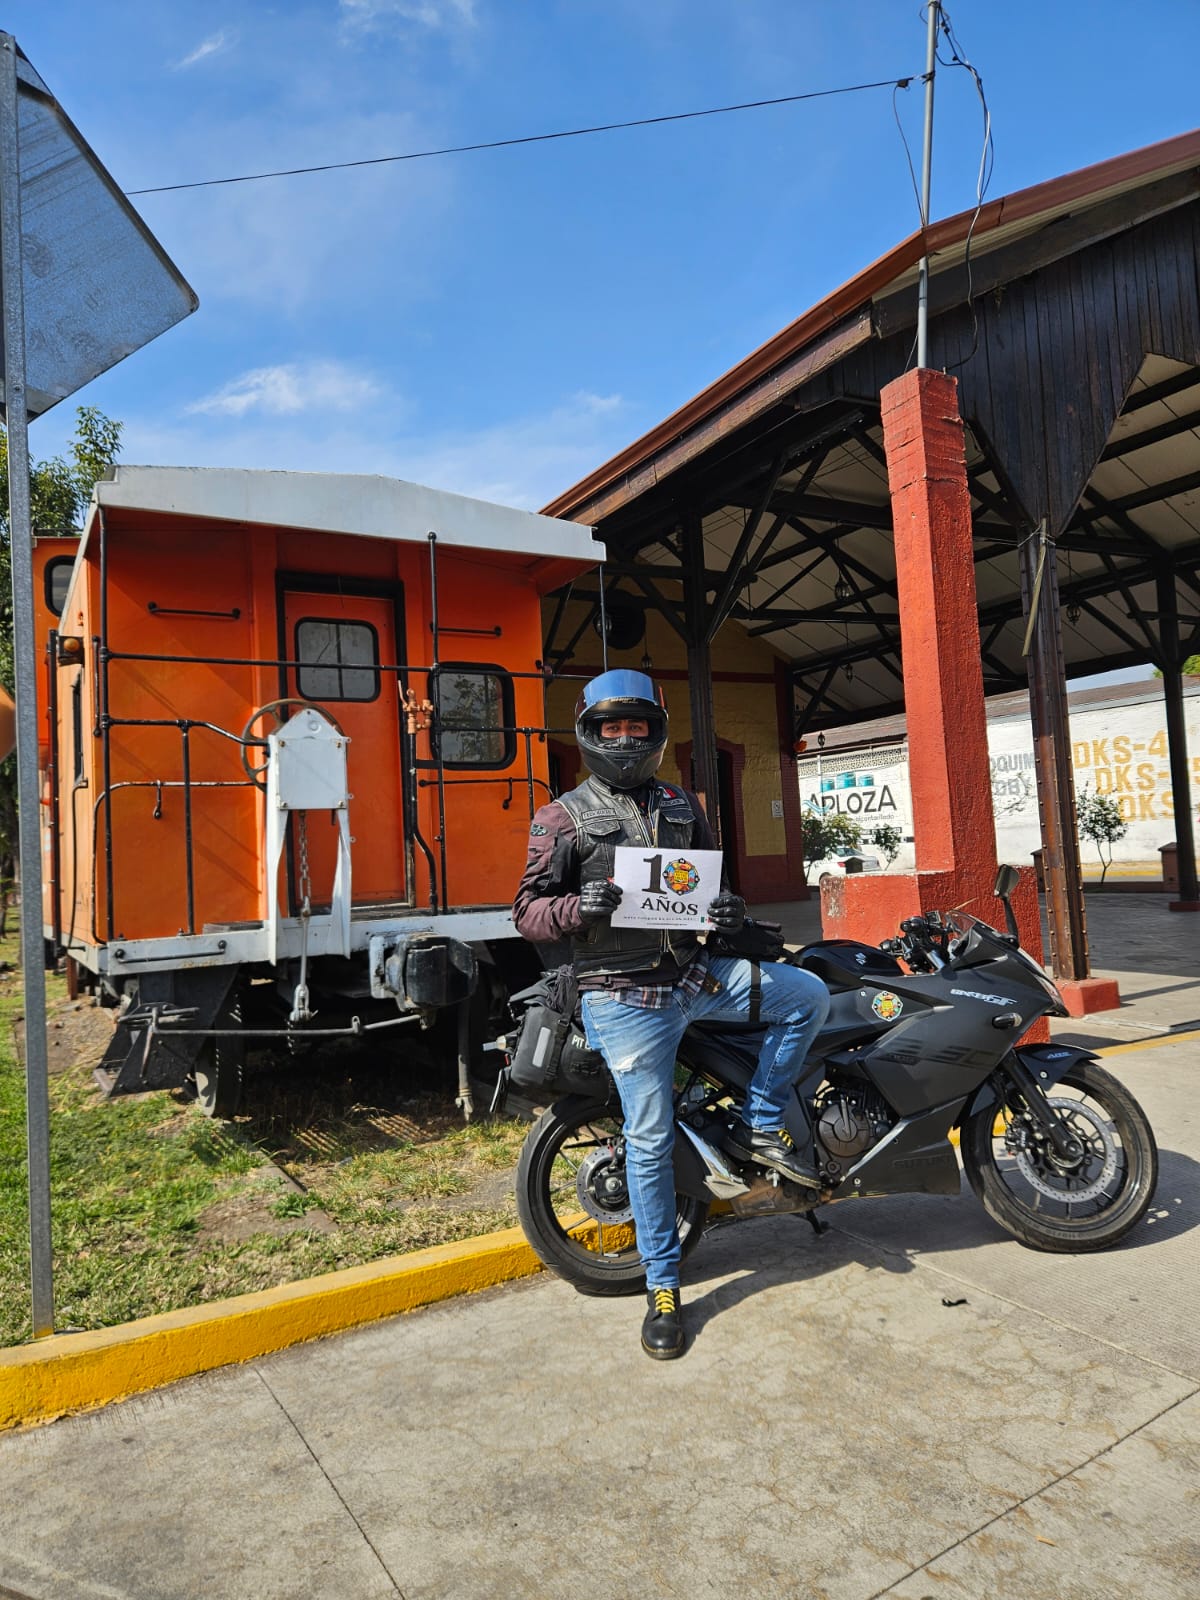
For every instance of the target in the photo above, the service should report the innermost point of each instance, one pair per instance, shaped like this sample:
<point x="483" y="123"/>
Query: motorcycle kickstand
<point x="815" y="1223"/>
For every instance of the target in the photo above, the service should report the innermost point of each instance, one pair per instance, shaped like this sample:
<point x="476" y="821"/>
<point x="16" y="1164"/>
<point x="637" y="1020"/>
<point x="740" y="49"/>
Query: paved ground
<point x="836" y="1429"/>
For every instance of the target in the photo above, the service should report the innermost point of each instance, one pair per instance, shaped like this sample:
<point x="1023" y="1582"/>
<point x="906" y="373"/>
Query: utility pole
<point x="935" y="13"/>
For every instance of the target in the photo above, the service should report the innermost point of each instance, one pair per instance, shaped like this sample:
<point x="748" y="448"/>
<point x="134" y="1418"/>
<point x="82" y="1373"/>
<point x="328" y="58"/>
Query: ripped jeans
<point x="639" y="1046"/>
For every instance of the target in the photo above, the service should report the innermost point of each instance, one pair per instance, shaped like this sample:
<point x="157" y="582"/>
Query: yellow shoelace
<point x="664" y="1301"/>
<point x="786" y="1139"/>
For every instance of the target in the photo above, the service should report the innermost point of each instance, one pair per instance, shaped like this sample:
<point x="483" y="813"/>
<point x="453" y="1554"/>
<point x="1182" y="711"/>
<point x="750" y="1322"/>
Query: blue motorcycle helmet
<point x="624" y="763"/>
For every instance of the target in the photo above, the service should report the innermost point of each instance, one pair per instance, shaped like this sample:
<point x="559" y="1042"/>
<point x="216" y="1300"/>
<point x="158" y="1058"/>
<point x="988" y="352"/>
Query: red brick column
<point x="954" y="829"/>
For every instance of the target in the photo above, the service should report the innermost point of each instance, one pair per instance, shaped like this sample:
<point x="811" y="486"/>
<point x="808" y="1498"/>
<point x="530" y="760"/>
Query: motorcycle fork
<point x="1019" y="1076"/>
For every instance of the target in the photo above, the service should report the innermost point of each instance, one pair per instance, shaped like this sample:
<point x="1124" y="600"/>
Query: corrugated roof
<point x="367" y="505"/>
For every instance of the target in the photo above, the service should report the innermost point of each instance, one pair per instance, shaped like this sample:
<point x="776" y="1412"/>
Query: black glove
<point x="597" y="900"/>
<point x="727" y="913"/>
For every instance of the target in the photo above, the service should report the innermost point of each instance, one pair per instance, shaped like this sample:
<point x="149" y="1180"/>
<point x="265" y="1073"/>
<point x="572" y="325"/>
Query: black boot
<point x="776" y="1148"/>
<point x="662" y="1331"/>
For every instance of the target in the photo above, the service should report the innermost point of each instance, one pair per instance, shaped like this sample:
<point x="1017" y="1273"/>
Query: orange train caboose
<point x="294" y="730"/>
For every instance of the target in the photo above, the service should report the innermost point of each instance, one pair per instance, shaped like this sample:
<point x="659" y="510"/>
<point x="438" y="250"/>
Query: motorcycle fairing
<point x="933" y="1051"/>
<point x="915" y="1157"/>
<point x="1048" y="1063"/>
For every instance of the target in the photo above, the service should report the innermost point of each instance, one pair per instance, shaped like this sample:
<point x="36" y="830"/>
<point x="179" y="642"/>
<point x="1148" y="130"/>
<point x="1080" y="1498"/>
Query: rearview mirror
<point x="1007" y="879"/>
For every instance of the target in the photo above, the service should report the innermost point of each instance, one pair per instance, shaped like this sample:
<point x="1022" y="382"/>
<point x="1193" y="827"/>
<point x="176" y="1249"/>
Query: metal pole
<point x="603" y="623"/>
<point x="20" y="532"/>
<point x="699" y="667"/>
<point x="926" y="183"/>
<point x="1171" y="662"/>
<point x="1065" y="908"/>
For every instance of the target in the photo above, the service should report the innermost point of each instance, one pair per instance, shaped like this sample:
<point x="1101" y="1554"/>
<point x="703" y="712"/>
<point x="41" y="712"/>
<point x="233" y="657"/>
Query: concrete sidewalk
<point x="836" y="1429"/>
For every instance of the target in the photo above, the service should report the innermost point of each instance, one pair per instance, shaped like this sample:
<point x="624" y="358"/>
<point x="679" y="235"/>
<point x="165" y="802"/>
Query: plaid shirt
<point x="655" y="996"/>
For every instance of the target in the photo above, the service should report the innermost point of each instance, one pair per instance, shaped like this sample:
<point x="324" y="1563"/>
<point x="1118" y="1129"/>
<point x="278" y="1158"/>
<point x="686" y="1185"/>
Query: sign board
<point x="97" y="285"/>
<point x="665" y="888"/>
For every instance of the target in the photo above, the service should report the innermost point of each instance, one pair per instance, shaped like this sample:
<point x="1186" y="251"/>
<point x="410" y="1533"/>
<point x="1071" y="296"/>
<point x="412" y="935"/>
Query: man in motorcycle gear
<point x="640" y="988"/>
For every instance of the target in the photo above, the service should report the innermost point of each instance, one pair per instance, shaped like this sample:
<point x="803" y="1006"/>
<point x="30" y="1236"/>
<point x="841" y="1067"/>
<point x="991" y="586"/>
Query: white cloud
<point x="366" y="14"/>
<point x="525" y="461"/>
<point x="521" y="461"/>
<point x="211" y="46"/>
<point x="289" y="389"/>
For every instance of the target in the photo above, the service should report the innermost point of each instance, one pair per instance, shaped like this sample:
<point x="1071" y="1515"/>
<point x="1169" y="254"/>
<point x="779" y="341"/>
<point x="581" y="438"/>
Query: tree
<point x="59" y="491"/>
<point x="1100" y="820"/>
<point x="823" y="833"/>
<point x="887" y="839"/>
<point x="1191" y="668"/>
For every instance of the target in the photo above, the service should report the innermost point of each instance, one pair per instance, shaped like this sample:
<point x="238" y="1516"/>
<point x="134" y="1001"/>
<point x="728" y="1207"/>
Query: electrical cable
<point x="987" y="163"/>
<point x="912" y="171"/>
<point x="530" y="138"/>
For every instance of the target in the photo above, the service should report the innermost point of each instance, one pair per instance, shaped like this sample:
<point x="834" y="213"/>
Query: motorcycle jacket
<point x="572" y="842"/>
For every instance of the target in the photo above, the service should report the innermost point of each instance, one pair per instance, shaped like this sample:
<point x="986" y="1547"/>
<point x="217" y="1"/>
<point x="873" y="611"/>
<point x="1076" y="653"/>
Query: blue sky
<point x="500" y="323"/>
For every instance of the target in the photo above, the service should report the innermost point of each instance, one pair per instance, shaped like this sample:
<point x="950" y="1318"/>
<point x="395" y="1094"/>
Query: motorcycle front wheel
<point x="573" y="1200"/>
<point x="1049" y="1204"/>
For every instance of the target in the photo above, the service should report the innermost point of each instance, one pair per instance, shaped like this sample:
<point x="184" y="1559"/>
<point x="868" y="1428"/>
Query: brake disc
<point x="601" y="1187"/>
<point x="1099" y="1145"/>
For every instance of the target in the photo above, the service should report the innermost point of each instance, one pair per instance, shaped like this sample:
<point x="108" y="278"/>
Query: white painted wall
<point x="1117" y="749"/>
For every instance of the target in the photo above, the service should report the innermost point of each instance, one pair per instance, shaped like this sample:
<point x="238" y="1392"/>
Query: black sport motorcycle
<point x="1058" y="1151"/>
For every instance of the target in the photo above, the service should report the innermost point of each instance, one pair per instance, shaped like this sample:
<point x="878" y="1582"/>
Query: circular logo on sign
<point x="680" y="876"/>
<point x="887" y="1006"/>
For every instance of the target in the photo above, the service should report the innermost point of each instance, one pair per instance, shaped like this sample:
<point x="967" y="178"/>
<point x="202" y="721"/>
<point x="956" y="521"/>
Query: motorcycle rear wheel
<point x="1047" y="1206"/>
<point x="573" y="1204"/>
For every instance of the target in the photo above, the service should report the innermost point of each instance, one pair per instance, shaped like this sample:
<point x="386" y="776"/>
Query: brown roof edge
<point x="1151" y="160"/>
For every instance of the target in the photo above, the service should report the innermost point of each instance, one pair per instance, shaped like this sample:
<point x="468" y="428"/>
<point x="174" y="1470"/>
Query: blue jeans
<point x="639" y="1046"/>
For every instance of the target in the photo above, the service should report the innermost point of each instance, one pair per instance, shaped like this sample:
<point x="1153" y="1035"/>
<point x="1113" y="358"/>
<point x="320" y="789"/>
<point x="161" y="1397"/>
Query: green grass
<point x="134" y="1184"/>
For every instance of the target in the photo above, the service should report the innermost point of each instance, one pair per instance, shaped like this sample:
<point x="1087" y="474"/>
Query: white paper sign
<point x="665" y="888"/>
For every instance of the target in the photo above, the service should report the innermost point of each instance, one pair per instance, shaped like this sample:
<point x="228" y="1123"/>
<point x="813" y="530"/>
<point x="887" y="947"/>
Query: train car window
<point x="339" y="659"/>
<point x="57" y="577"/>
<point x="474" y="722"/>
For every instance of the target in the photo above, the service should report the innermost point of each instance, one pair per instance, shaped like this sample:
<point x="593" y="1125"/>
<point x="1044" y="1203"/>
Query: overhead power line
<point x="529" y="138"/>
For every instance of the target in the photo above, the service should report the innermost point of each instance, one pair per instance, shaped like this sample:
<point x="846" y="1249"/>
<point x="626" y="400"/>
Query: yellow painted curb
<point x="78" y="1371"/>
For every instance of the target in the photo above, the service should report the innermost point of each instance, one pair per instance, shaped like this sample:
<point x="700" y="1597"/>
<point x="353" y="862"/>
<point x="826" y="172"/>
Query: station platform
<point x="910" y="1404"/>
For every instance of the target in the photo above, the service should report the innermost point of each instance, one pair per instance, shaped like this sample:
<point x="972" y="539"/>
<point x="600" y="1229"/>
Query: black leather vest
<point x="605" y="818"/>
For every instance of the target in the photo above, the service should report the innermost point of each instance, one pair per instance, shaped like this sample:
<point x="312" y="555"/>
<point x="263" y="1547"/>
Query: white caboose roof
<point x="340" y="502"/>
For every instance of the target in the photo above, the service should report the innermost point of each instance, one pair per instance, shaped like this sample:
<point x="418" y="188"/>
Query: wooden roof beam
<point x="1154" y="495"/>
<point x="1139" y="441"/>
<point x="1161" y="391"/>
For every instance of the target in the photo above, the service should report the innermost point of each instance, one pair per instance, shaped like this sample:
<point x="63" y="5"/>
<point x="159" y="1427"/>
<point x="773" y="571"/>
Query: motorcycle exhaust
<point x="769" y="1197"/>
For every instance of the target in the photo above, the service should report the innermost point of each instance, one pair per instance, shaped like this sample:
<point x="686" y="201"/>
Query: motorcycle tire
<point x="1047" y="1207"/>
<point x="573" y="1204"/>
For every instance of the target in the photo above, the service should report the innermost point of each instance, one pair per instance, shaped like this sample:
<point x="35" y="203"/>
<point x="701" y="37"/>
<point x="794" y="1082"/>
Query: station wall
<point x="1118" y="748"/>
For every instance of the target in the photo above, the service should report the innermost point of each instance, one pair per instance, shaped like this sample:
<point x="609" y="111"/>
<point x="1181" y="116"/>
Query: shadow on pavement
<point x="941" y="1222"/>
<point x="814" y="1263"/>
<point x="880" y="1233"/>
